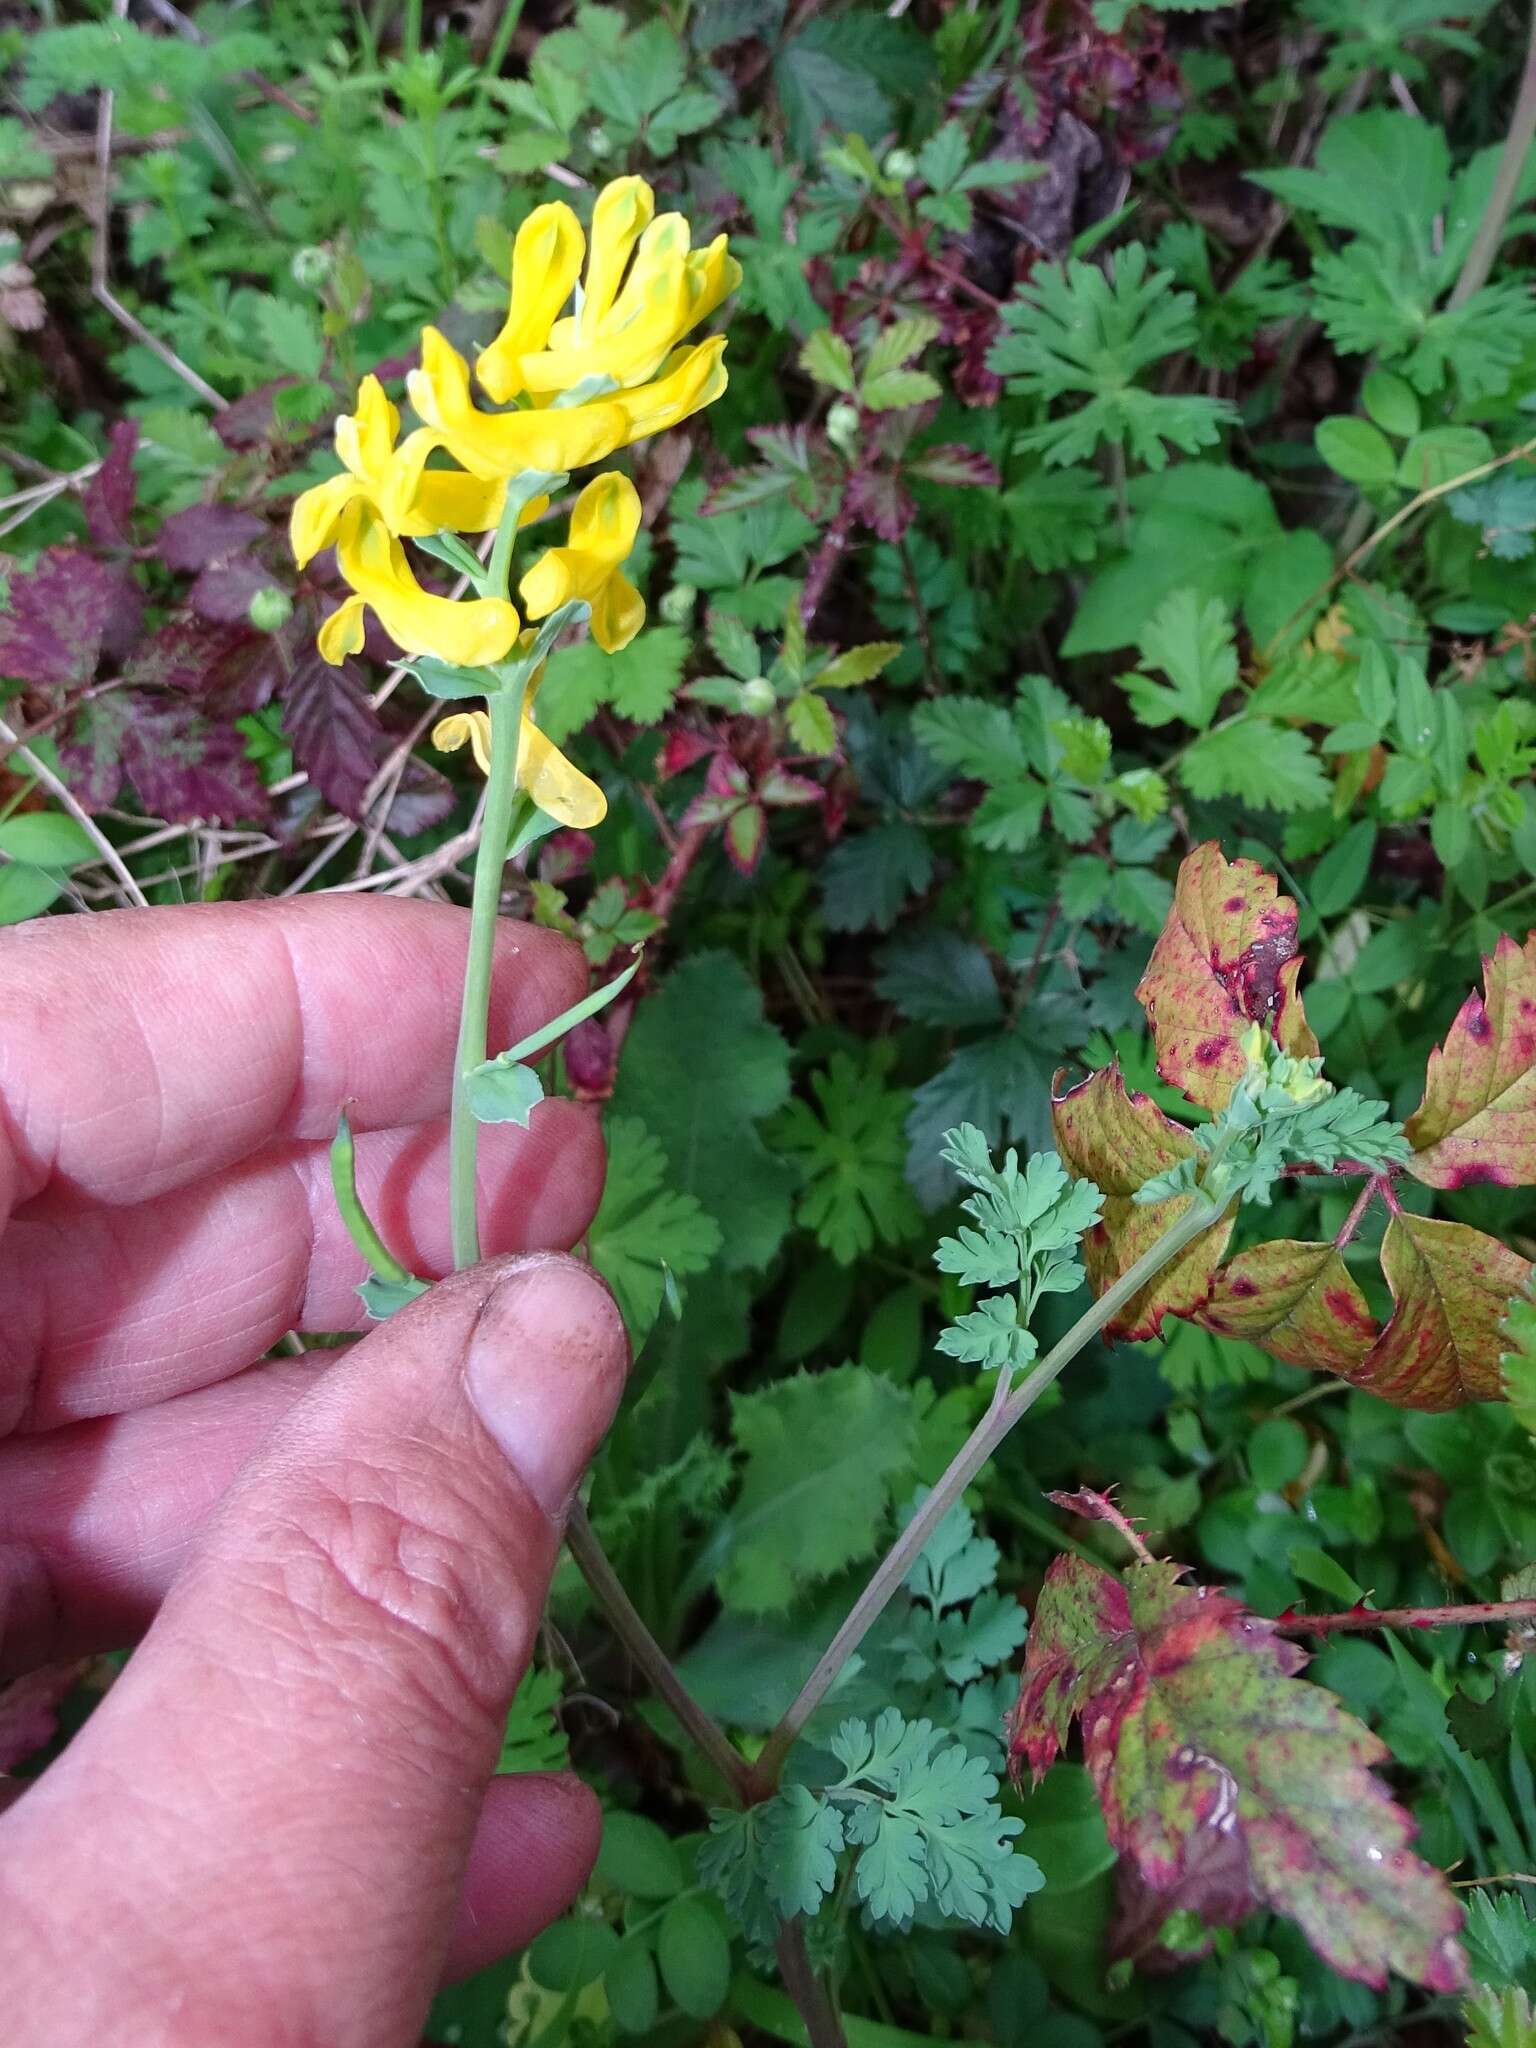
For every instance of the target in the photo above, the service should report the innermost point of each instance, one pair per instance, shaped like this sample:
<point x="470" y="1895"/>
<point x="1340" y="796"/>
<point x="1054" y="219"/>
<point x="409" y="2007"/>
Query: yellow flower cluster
<point x="577" y="386"/>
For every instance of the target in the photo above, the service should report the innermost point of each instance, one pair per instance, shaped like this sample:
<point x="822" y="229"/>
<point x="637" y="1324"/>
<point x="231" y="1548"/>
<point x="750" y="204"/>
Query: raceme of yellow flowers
<point x="576" y="386"/>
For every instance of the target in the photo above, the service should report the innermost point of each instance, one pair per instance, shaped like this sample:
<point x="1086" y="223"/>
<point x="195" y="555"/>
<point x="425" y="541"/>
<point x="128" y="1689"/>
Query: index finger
<point x="143" y="1049"/>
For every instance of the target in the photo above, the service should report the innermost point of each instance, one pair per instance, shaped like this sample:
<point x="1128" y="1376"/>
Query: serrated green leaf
<point x="891" y="389"/>
<point x="643" y="1229"/>
<point x="828" y="358"/>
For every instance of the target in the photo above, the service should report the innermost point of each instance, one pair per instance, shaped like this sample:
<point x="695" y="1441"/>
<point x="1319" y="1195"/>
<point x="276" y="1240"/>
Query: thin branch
<point x="1484" y="251"/>
<point x="39" y="768"/>
<point x="631" y="1630"/>
<point x="101" y="290"/>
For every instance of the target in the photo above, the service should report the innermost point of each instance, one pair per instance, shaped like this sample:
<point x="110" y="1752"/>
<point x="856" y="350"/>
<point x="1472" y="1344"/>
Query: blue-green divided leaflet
<point x="505" y="1090"/>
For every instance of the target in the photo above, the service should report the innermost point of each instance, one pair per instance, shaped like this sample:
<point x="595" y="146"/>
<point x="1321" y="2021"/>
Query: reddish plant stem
<point x="685" y="851"/>
<point x="1358" y="1620"/>
<point x="915" y="244"/>
<point x="1362" y="1202"/>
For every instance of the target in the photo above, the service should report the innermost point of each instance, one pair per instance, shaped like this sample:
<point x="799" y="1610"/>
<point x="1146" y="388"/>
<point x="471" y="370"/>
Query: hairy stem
<point x="1506" y="181"/>
<point x="647" y="1652"/>
<point x="963" y="1468"/>
<point x="1357" y="1620"/>
<point x="490" y="857"/>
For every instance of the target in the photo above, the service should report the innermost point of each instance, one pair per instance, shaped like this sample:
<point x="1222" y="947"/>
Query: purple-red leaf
<point x="877" y="498"/>
<point x="1451" y="1290"/>
<point x="1225" y="1783"/>
<point x="1477" y="1121"/>
<point x="209" y="661"/>
<point x="187" y="767"/>
<point x="1118" y="1141"/>
<point x="111" y="492"/>
<point x="951" y="462"/>
<point x="224" y="590"/>
<point x="1226" y="958"/>
<point x="341" y="743"/>
<point x="206" y="533"/>
<point x="64" y="614"/>
<point x="1296" y="1301"/>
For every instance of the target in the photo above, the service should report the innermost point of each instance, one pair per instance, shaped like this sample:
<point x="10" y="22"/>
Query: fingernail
<point x="545" y="1371"/>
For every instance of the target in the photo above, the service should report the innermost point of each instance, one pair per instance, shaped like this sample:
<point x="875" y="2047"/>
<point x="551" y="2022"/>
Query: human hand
<point x="277" y="1825"/>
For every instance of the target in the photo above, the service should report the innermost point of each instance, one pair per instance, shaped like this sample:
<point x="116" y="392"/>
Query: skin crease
<point x="280" y="1826"/>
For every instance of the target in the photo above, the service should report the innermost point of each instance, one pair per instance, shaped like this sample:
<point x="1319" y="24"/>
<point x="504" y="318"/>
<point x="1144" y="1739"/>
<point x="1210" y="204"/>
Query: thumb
<point x="272" y="1810"/>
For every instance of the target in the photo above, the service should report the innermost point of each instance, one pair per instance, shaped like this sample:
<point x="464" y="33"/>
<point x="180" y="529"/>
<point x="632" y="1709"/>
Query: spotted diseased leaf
<point x="1296" y="1301"/>
<point x="1451" y="1290"/>
<point x="63" y="615"/>
<point x="1477" y="1121"/>
<point x="1118" y="1141"/>
<point x="1226" y="958"/>
<point x="1225" y="1784"/>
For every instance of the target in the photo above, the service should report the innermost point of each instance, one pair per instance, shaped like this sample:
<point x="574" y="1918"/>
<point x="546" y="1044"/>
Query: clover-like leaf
<point x="1477" y="1121"/>
<point x="1296" y="1301"/>
<point x="1451" y="1290"/>
<point x="1226" y="1784"/>
<point x="1118" y="1141"/>
<point x="1226" y="958"/>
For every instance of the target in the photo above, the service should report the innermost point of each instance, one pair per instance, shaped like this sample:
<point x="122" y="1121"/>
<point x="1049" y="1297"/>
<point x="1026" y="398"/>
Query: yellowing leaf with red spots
<point x="1451" y="1289"/>
<point x="1226" y="1782"/>
<point x="1226" y="958"/>
<point x="1296" y="1301"/>
<point x="1477" y="1121"/>
<point x="1117" y="1141"/>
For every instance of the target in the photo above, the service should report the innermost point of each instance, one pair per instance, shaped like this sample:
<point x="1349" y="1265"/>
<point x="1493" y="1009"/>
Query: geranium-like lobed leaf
<point x="1451" y="1290"/>
<point x="1477" y="1121"/>
<point x="1296" y="1301"/>
<point x="1226" y="958"/>
<point x="1118" y="1140"/>
<point x="1225" y="1783"/>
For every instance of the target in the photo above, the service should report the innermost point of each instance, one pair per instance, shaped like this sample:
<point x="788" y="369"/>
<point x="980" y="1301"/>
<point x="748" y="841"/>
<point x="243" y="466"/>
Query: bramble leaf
<point x="1296" y="1301"/>
<point x="1225" y="1784"/>
<point x="1451" y="1289"/>
<point x="1119" y="1141"/>
<point x="1226" y="958"/>
<point x="1477" y="1121"/>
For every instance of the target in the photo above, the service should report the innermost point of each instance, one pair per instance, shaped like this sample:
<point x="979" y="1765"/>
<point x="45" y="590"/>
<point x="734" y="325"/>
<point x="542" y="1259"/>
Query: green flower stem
<point x="967" y="1462"/>
<point x="501" y="792"/>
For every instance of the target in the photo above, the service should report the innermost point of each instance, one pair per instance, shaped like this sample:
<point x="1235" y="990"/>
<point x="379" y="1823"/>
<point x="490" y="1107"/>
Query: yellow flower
<point x="604" y="522"/>
<point x="499" y="444"/>
<point x="625" y="327"/>
<point x="556" y="785"/>
<point x="466" y="633"/>
<point x="392" y="482"/>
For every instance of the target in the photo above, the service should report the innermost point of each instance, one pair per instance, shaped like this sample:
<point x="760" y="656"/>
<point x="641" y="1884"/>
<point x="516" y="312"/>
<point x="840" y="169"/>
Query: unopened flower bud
<point x="310" y="268"/>
<point x="600" y="142"/>
<point x="758" y="697"/>
<point x="270" y="608"/>
<point x="676" y="606"/>
<point x="899" y="163"/>
<point x="843" y="426"/>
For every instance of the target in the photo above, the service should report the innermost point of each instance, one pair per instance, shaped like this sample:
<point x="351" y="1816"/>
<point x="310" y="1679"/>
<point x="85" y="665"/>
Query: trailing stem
<point x="963" y="1468"/>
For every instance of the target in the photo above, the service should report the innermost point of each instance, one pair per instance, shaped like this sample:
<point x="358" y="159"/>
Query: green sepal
<point x="493" y="1080"/>
<point x="382" y="1297"/>
<point x="442" y="679"/>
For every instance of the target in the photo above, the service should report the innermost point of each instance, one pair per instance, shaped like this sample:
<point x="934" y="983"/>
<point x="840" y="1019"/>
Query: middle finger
<point x="116" y="1309"/>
